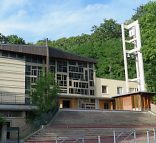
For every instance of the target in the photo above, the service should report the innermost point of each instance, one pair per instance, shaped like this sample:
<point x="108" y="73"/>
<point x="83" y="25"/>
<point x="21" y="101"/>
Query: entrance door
<point x="106" y="105"/>
<point x="66" y="103"/>
<point x="8" y="132"/>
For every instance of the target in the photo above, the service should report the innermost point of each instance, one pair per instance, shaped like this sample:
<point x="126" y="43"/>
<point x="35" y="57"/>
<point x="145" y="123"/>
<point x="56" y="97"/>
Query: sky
<point x="35" y="20"/>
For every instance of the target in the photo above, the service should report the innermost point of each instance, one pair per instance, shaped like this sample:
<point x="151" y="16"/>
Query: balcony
<point x="13" y="98"/>
<point x="15" y="101"/>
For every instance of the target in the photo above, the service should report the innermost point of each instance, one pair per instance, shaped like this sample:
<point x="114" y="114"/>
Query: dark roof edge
<point x="85" y="96"/>
<point x="71" y="56"/>
<point x="139" y="92"/>
<point x="53" y="52"/>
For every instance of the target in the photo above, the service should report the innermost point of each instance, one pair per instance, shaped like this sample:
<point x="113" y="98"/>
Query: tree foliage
<point x="146" y="14"/>
<point x="107" y="30"/>
<point x="103" y="44"/>
<point x="2" y="120"/>
<point x="11" y="39"/>
<point x="44" y="95"/>
<point x="14" y="39"/>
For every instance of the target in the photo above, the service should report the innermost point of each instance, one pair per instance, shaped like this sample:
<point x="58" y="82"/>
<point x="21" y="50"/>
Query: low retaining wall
<point x="153" y="108"/>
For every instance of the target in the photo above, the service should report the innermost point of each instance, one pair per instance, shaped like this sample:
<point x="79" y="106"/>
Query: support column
<point x="4" y="133"/>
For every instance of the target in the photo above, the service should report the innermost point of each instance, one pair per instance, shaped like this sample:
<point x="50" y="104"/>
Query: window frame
<point x="106" y="89"/>
<point x="119" y="87"/>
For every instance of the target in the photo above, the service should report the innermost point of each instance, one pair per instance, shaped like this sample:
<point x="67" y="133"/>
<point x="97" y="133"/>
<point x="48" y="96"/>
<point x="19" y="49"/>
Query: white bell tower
<point x="135" y="40"/>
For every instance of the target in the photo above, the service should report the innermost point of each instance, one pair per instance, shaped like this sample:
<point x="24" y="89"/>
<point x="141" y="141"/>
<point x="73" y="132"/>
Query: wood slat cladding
<point x="137" y="101"/>
<point x="42" y="51"/>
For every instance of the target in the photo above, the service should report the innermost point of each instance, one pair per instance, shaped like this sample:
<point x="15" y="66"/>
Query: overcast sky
<point x="53" y="19"/>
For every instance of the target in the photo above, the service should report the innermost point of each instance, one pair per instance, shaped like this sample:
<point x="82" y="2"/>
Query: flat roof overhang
<point x="135" y="93"/>
<point x="17" y="107"/>
<point x="42" y="51"/>
<point x="85" y="96"/>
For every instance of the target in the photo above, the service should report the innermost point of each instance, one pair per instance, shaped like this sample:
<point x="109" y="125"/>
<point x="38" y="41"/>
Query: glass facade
<point x="73" y="77"/>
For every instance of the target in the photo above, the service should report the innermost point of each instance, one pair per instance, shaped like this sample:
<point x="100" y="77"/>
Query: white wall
<point x="111" y="86"/>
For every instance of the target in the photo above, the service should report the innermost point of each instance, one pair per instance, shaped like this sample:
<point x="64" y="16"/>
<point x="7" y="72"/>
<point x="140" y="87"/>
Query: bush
<point x="2" y="120"/>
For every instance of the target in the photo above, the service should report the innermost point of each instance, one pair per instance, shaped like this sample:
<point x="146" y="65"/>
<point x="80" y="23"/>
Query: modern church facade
<point x="21" y="65"/>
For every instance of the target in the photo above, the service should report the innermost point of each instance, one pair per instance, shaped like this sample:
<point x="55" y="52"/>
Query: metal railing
<point x="119" y="136"/>
<point x="133" y="136"/>
<point x="13" y="98"/>
<point x="41" y="123"/>
<point x="125" y="135"/>
<point x="73" y="138"/>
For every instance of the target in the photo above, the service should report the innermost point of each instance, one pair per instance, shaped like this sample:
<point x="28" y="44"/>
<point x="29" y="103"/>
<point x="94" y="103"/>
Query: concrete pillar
<point x="97" y="104"/>
<point x="4" y="134"/>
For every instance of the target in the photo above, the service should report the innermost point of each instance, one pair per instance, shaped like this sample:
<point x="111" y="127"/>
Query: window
<point x="104" y="89"/>
<point x="91" y="74"/>
<point x="34" y="59"/>
<point x="106" y="105"/>
<point x="70" y="83"/>
<point x="90" y="65"/>
<point x="71" y="90"/>
<point x="119" y="90"/>
<point x="62" y="80"/>
<point x="31" y="75"/>
<point x="91" y="92"/>
<point x="75" y="84"/>
<point x="52" y="62"/>
<point x="131" y="90"/>
<point x="52" y="69"/>
<point x="61" y="66"/>
<point x="20" y="56"/>
<point x="27" y="82"/>
<point x="28" y="69"/>
<point x="91" y="83"/>
<point x="12" y="55"/>
<point x="72" y="63"/>
<point x="5" y="53"/>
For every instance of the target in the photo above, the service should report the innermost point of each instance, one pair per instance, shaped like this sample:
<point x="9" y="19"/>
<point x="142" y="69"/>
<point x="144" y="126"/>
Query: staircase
<point x="75" y="125"/>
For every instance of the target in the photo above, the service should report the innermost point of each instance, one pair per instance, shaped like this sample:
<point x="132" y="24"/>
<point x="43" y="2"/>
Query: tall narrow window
<point x="104" y="89"/>
<point x="131" y="90"/>
<point x="119" y="90"/>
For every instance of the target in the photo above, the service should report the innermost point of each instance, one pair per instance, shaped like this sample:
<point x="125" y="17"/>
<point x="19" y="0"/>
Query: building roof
<point x="135" y="93"/>
<point x="42" y="51"/>
<point x="57" y="53"/>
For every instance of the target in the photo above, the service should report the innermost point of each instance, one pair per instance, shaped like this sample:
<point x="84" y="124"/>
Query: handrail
<point x="13" y="98"/>
<point x="43" y="127"/>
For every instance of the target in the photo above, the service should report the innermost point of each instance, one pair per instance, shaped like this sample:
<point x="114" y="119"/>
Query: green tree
<point x="107" y="30"/>
<point x="44" y="95"/>
<point x="2" y="120"/>
<point x="103" y="44"/>
<point x="14" y="39"/>
<point x="146" y="14"/>
<point x="3" y="39"/>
